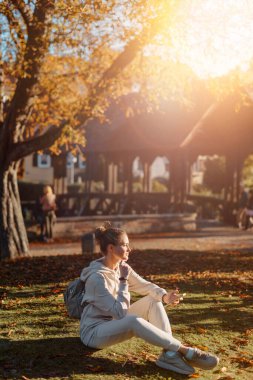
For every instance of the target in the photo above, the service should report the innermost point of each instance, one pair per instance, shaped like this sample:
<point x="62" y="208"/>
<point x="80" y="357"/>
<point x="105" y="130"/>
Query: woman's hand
<point x="124" y="269"/>
<point x="172" y="297"/>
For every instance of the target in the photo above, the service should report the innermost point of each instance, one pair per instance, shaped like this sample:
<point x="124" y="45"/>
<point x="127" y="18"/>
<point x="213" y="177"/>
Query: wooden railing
<point x="79" y="204"/>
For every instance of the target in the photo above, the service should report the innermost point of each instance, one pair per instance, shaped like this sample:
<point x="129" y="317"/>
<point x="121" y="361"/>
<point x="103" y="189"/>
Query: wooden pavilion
<point x="176" y="132"/>
<point x="225" y="129"/>
<point x="146" y="136"/>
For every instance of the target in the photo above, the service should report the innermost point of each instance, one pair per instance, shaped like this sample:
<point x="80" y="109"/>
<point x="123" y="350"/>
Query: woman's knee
<point x="133" y="321"/>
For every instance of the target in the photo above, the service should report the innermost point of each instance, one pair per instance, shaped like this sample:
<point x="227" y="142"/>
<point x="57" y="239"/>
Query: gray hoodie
<point x="107" y="298"/>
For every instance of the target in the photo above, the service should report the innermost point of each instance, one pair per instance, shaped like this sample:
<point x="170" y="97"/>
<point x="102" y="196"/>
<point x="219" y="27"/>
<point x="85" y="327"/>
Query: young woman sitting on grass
<point x="108" y="317"/>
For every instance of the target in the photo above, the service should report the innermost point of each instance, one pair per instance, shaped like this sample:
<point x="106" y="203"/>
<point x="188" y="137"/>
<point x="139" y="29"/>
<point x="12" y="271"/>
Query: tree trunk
<point x="13" y="236"/>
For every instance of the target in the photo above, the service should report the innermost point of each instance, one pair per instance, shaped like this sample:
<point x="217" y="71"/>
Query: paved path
<point x="208" y="238"/>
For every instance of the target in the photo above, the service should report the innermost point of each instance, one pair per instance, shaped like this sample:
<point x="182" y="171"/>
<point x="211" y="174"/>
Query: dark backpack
<point x="73" y="296"/>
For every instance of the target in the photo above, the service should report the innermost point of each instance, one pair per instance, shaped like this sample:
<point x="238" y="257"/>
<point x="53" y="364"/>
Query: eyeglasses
<point x="127" y="245"/>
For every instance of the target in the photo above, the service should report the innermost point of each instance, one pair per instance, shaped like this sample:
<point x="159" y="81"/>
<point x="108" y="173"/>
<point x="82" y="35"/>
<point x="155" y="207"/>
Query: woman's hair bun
<point x="107" y="234"/>
<point x="99" y="231"/>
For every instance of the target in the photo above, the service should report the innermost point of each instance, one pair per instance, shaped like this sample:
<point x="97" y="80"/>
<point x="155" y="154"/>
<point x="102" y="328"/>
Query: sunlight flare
<point x="214" y="37"/>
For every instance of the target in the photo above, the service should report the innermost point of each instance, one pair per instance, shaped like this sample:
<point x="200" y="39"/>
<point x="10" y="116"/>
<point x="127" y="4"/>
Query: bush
<point x="214" y="175"/>
<point x="158" y="185"/>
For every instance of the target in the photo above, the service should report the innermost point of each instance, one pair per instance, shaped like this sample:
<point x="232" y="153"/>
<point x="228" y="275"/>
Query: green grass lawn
<point x="38" y="340"/>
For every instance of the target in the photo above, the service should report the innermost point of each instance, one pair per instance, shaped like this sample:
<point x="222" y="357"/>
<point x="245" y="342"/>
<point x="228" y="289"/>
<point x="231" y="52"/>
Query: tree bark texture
<point x="13" y="236"/>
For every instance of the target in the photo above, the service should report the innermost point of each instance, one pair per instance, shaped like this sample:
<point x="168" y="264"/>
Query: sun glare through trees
<point x="214" y="37"/>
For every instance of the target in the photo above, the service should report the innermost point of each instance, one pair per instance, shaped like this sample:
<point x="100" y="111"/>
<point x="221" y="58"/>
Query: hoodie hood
<point x="97" y="266"/>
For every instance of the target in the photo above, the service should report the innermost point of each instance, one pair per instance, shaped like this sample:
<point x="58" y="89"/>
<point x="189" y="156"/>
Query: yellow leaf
<point x="203" y="348"/>
<point x="200" y="330"/>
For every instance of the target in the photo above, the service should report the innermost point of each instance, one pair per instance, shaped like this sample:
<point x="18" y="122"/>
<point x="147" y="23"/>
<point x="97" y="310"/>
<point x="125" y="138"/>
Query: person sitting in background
<point x="48" y="208"/>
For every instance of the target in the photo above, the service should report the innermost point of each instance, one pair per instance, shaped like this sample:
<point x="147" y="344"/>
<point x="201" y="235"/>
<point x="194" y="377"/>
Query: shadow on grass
<point x="63" y="357"/>
<point x="214" y="282"/>
<point x="55" y="269"/>
<point x="229" y="318"/>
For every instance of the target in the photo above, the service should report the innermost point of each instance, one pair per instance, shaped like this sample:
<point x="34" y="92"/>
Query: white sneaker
<point x="174" y="361"/>
<point x="203" y="360"/>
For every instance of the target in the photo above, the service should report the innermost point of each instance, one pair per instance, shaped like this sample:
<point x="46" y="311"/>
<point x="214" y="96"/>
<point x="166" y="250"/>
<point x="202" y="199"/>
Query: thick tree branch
<point x="23" y="149"/>
<point x="119" y="64"/>
<point x="24" y="10"/>
<point x="112" y="72"/>
<point x="35" y="50"/>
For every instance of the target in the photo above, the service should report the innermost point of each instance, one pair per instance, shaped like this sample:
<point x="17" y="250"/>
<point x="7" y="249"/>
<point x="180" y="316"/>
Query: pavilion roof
<point x="157" y="132"/>
<point x="225" y="128"/>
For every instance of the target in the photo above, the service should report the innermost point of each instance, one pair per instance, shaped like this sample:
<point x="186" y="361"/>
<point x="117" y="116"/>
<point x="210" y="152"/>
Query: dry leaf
<point x="241" y="342"/>
<point x="244" y="362"/>
<point x="93" y="368"/>
<point x="203" y="348"/>
<point x="200" y="330"/>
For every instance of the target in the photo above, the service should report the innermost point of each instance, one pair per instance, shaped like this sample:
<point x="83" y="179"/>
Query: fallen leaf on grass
<point x="200" y="330"/>
<point x="148" y="356"/>
<point x="241" y="342"/>
<point x="194" y="376"/>
<point x="245" y="296"/>
<point x="94" y="368"/>
<point x="221" y="350"/>
<point x="53" y="356"/>
<point x="243" y="362"/>
<point x="203" y="348"/>
<point x="56" y="291"/>
<point x="151" y="357"/>
<point x="248" y="332"/>
<point x="10" y="332"/>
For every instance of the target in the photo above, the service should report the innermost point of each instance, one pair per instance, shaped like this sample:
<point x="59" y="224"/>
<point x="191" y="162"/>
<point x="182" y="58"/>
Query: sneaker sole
<point x="170" y="367"/>
<point x="204" y="367"/>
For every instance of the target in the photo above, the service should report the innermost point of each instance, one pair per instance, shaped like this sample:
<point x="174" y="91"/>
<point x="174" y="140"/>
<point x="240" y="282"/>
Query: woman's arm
<point x="102" y="299"/>
<point x="139" y="285"/>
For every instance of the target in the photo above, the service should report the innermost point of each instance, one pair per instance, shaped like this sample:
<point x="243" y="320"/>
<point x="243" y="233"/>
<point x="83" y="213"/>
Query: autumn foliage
<point x="60" y="64"/>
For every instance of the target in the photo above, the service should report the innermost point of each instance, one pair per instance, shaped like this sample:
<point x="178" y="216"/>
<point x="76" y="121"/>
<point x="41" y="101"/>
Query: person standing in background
<point x="48" y="208"/>
<point x="241" y="215"/>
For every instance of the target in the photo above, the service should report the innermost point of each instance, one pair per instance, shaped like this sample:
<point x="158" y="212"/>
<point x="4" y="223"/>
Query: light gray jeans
<point x="146" y="319"/>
